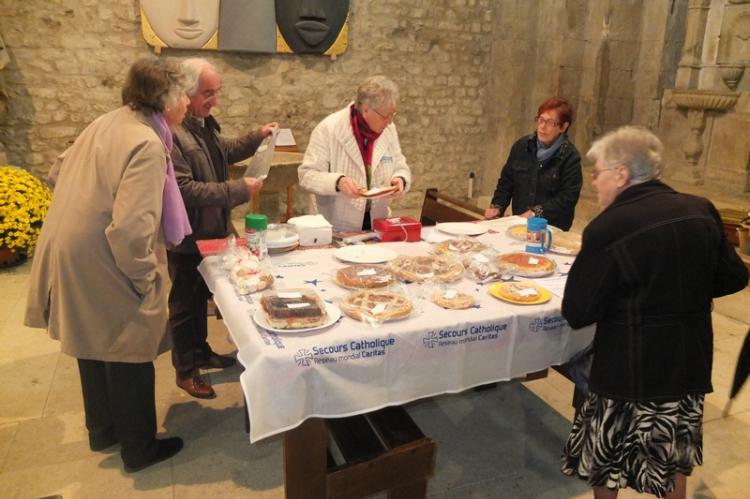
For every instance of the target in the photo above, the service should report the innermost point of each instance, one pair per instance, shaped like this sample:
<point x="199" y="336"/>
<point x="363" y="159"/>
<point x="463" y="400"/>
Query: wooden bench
<point x="381" y="451"/>
<point x="439" y="207"/>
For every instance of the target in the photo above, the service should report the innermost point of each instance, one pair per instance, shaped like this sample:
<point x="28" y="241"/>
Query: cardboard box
<point x="397" y="229"/>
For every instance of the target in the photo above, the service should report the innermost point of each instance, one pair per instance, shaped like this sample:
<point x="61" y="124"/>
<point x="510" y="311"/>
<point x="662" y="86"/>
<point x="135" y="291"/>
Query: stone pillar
<point x="4" y="60"/>
<point x="688" y="69"/>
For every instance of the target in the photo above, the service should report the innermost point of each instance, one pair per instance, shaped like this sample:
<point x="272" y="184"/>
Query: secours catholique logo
<point x="343" y="352"/>
<point x="470" y="334"/>
<point x="547" y="323"/>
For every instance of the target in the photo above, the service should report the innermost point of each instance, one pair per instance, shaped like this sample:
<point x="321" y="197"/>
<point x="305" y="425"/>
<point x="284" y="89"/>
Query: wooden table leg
<point x="256" y="203"/>
<point x="289" y="202"/>
<point x="305" y="462"/>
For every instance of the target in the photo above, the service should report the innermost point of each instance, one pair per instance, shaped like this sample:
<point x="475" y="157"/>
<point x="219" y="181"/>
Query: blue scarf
<point x="543" y="153"/>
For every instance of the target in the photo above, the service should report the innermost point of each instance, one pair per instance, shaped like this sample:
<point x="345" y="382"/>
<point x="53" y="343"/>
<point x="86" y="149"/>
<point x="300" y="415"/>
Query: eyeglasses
<point x="385" y="117"/>
<point x="542" y="121"/>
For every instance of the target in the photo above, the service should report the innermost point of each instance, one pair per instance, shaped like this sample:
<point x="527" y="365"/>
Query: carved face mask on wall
<point x="182" y="23"/>
<point x="311" y="26"/>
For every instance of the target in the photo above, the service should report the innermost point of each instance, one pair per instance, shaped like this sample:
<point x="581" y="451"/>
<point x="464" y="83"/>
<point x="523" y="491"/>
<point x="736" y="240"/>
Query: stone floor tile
<point x="48" y="441"/>
<point x="96" y="476"/>
<point x="7" y="434"/>
<point x="224" y="464"/>
<point x="26" y="382"/>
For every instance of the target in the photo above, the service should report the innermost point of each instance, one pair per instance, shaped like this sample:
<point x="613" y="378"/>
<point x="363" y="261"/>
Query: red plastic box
<point x="397" y="229"/>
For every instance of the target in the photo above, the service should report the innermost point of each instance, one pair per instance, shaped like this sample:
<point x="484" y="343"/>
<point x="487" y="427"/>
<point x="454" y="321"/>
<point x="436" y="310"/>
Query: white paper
<point x="285" y="138"/>
<point x="260" y="163"/>
<point x="297" y="305"/>
<point x="378" y="309"/>
<point x="528" y="292"/>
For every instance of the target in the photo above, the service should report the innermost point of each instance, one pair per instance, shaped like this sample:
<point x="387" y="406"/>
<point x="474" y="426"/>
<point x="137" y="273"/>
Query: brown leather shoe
<point x="196" y="385"/>
<point x="216" y="361"/>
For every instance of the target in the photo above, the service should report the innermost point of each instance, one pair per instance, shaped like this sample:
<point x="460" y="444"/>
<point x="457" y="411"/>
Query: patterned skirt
<point x="619" y="444"/>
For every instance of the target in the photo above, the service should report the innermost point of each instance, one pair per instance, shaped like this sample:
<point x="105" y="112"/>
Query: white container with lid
<point x="313" y="230"/>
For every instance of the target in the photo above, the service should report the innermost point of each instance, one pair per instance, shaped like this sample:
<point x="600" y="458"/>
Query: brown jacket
<point x="208" y="193"/>
<point x="99" y="274"/>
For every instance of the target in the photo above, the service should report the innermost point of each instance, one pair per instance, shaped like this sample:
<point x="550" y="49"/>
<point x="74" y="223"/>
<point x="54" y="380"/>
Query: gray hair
<point x="152" y="84"/>
<point x="192" y="69"/>
<point x="376" y="91"/>
<point x="636" y="148"/>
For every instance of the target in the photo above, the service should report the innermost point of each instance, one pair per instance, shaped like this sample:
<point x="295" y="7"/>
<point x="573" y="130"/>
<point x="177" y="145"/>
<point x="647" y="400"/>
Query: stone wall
<point x="69" y="58"/>
<point x="472" y="73"/>
<point x="611" y="58"/>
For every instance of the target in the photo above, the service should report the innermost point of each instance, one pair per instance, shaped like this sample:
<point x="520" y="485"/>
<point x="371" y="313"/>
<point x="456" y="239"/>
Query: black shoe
<point x="216" y="361"/>
<point x="164" y="450"/>
<point x="102" y="443"/>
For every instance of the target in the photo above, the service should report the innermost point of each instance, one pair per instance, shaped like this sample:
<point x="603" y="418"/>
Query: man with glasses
<point x="201" y="162"/>
<point x="542" y="175"/>
<point x="355" y="150"/>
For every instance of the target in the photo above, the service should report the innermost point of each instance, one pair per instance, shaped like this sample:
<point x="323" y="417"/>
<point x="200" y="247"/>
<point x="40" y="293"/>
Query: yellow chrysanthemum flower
<point x="24" y="201"/>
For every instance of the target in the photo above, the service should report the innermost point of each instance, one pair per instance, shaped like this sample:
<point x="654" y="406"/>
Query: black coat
<point x="553" y="185"/>
<point x="649" y="267"/>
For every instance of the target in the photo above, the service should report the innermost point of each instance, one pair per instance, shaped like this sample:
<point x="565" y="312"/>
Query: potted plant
<point x="24" y="201"/>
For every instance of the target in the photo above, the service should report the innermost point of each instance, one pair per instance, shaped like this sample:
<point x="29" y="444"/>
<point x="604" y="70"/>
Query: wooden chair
<point x="443" y="208"/>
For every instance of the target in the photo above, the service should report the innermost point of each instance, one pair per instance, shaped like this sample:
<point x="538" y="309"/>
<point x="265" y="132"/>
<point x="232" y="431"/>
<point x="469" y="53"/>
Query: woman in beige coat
<point x="99" y="272"/>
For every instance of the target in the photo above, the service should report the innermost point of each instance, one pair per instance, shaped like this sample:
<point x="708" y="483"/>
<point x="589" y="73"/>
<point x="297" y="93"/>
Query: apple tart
<point x="526" y="264"/>
<point x="452" y="298"/>
<point x="442" y="268"/>
<point x="376" y="305"/>
<point x="363" y="276"/>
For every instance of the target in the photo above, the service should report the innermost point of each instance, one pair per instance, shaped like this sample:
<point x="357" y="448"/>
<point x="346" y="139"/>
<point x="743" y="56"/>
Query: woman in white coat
<point x="356" y="149"/>
<point x="99" y="276"/>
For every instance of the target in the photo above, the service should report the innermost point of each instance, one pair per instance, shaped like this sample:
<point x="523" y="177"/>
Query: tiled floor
<point x="499" y="443"/>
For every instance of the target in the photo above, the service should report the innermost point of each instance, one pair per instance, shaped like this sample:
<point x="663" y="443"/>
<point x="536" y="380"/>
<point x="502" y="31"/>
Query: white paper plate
<point x="333" y="312"/>
<point x="361" y="253"/>
<point x="281" y="236"/>
<point x="462" y="228"/>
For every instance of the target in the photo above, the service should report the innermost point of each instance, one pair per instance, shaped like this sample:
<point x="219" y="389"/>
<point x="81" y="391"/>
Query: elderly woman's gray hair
<point x="152" y="84"/>
<point x="637" y="148"/>
<point x="376" y="91"/>
<point x="192" y="69"/>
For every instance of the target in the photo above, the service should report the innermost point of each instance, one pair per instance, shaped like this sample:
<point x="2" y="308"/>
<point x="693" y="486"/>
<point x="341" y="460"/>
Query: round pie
<point x="566" y="243"/>
<point x="526" y="264"/>
<point x="520" y="292"/>
<point x="363" y="276"/>
<point x="422" y="268"/>
<point x="451" y="298"/>
<point x="376" y="305"/>
<point x="452" y="246"/>
<point x="518" y="231"/>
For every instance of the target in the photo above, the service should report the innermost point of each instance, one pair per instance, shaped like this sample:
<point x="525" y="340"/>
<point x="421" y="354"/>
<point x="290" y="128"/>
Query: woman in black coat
<point x="542" y="175"/>
<point x="650" y="264"/>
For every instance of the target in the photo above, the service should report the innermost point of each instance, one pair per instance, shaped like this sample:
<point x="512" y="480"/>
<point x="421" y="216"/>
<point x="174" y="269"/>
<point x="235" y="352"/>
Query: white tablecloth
<point x="352" y="368"/>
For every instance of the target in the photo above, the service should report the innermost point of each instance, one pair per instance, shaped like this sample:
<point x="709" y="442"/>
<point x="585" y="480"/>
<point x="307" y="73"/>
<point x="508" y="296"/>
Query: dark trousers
<point x="188" y="317"/>
<point x="118" y="399"/>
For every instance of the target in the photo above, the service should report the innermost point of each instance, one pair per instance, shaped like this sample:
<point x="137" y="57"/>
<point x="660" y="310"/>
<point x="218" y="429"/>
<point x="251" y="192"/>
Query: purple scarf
<point x="174" y="219"/>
